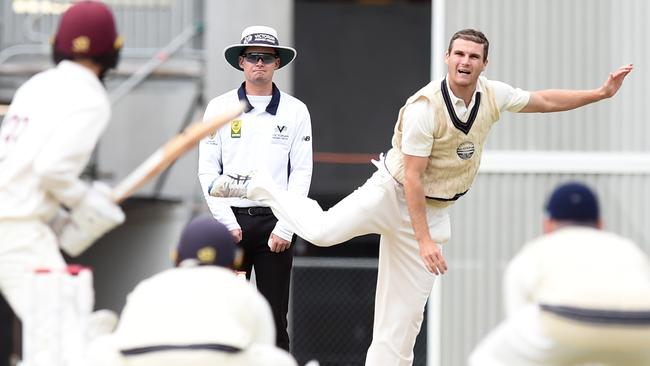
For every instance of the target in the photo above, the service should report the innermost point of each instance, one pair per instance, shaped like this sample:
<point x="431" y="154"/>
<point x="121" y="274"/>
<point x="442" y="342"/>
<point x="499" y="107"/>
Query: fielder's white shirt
<point x="188" y="306"/>
<point x="581" y="267"/>
<point x="47" y="138"/>
<point x="274" y="136"/>
<point x="419" y="125"/>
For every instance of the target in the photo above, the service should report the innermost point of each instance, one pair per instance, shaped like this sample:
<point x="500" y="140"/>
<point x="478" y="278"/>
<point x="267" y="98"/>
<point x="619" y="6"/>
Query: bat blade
<point x="162" y="158"/>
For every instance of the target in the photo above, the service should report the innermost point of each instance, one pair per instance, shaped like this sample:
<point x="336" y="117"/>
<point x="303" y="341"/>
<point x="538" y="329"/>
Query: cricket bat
<point x="173" y="149"/>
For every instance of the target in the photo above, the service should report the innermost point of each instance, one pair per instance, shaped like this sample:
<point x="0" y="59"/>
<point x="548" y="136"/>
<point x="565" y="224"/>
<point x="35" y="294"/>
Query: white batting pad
<point x="59" y="303"/>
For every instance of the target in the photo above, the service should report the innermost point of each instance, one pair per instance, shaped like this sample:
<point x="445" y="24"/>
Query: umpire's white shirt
<point x="273" y="137"/>
<point x="46" y="139"/>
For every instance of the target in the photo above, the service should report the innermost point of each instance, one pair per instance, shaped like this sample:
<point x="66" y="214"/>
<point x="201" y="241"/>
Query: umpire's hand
<point x="236" y="235"/>
<point x="277" y="244"/>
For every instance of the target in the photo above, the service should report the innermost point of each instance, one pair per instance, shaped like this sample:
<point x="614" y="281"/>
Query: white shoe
<point x="230" y="185"/>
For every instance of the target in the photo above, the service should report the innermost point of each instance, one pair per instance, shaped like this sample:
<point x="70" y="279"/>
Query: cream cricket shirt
<point x="46" y="139"/>
<point x="436" y="124"/>
<point x="273" y="135"/>
<point x="581" y="267"/>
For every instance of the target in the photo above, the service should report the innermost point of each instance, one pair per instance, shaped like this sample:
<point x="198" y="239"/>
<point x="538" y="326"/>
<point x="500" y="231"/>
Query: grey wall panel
<point x="565" y="44"/>
<point x="539" y="45"/>
<point x="151" y="115"/>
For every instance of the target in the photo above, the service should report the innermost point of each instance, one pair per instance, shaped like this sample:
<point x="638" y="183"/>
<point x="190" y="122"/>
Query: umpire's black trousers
<point x="272" y="270"/>
<point x="6" y="332"/>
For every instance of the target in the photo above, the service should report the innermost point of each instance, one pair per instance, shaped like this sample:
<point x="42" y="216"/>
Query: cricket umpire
<point x="273" y="135"/>
<point x="47" y="137"/>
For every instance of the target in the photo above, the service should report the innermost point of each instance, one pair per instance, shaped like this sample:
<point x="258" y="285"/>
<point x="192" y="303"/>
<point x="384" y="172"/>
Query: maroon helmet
<point x="87" y="30"/>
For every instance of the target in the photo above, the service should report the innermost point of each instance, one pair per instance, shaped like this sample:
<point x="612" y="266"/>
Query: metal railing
<point x="26" y="26"/>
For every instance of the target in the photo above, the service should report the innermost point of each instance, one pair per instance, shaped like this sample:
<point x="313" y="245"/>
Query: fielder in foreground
<point x="437" y="145"/>
<point x="199" y="313"/>
<point x="573" y="296"/>
<point x="47" y="137"/>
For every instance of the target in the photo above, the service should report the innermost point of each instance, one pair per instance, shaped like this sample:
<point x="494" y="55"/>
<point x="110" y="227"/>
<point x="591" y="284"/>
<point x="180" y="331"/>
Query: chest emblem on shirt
<point x="465" y="150"/>
<point x="235" y="129"/>
<point x="280" y="134"/>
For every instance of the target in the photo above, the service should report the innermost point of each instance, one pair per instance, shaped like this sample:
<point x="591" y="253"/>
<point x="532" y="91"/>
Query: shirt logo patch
<point x="235" y="129"/>
<point x="280" y="134"/>
<point x="465" y="150"/>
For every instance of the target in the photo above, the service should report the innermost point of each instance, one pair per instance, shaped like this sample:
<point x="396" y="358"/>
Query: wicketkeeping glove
<point x="93" y="217"/>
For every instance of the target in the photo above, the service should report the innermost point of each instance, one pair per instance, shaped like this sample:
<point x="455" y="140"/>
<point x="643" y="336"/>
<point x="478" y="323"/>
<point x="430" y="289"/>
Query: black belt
<point x="253" y="211"/>
<point x="454" y="198"/>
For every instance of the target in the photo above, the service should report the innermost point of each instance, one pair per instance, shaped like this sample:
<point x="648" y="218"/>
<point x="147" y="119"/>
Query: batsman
<point x="435" y="155"/>
<point x="46" y="139"/>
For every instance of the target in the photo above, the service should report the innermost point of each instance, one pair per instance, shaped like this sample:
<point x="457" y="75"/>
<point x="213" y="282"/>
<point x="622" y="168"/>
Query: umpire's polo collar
<point x="272" y="108"/>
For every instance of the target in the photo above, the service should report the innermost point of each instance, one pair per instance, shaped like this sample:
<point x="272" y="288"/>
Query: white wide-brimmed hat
<point x="259" y="36"/>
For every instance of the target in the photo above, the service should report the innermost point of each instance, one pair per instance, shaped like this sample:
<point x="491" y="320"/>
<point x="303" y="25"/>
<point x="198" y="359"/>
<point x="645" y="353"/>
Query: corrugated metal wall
<point x="565" y="44"/>
<point x="538" y="45"/>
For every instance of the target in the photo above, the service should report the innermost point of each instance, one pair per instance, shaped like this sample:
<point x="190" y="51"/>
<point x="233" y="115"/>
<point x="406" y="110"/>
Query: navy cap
<point x="208" y="242"/>
<point x="573" y="201"/>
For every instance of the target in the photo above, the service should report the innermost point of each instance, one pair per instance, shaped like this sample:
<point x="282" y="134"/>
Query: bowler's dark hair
<point x="471" y="35"/>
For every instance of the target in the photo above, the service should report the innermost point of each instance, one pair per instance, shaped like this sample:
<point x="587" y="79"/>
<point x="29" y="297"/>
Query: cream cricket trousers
<point x="24" y="246"/>
<point x="403" y="283"/>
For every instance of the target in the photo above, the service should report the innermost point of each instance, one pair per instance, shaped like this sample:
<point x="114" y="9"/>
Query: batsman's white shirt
<point x="274" y="138"/>
<point x="47" y="138"/>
